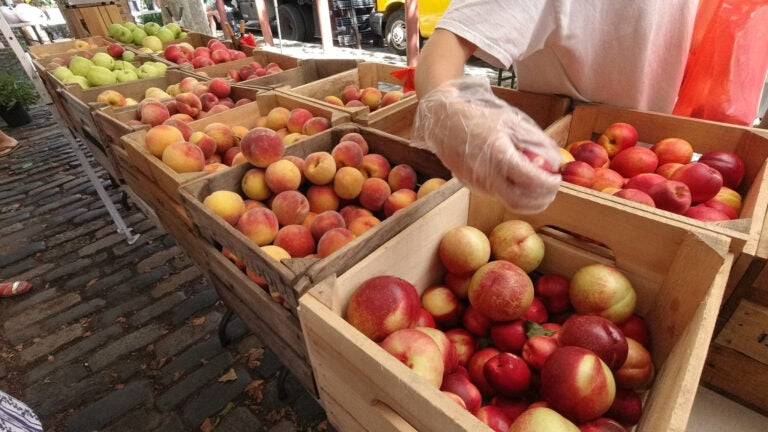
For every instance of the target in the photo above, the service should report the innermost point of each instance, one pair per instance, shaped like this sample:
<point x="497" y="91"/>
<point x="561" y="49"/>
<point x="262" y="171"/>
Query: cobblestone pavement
<point x="119" y="337"/>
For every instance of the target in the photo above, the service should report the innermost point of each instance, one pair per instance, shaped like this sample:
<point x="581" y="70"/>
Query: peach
<point x="464" y="249"/>
<point x="459" y="284"/>
<point x="275" y="252"/>
<point x="635" y="195"/>
<point x="578" y="173"/>
<point x="666" y="170"/>
<point x="350" y="92"/>
<point x="183" y="156"/>
<point x="111" y="98"/>
<point x="605" y="178"/>
<point x="236" y="156"/>
<point x="618" y="137"/>
<point x="282" y="133"/>
<point x="232" y="257"/>
<point x="219" y="87"/>
<point x="516" y="241"/>
<point x="501" y="290"/>
<point x="634" y="160"/>
<point x="675" y="150"/>
<point x="728" y="197"/>
<point x="592" y="153"/>
<point x="326" y="221"/>
<point x="159" y="137"/>
<point x="184" y="128"/>
<point x="398" y="200"/>
<point x="297" y="240"/>
<point x="189" y="103"/>
<point x="222" y="134"/>
<point x="214" y="167"/>
<point x="465" y="389"/>
<point x="183" y="117"/>
<point x="348" y="182"/>
<point x="371" y="97"/>
<point x="352" y="211"/>
<point x="429" y="186"/>
<point x="541" y="418"/>
<point x="153" y="112"/>
<point x="402" y="176"/>
<point x="201" y="88"/>
<point x="637" y="372"/>
<point x="243" y="101"/>
<point x="315" y="125"/>
<point x="260" y="225"/>
<point x="643" y="181"/>
<point x="238" y="132"/>
<point x="296" y="119"/>
<point x="603" y="290"/>
<point x="702" y="180"/>
<point x="465" y="344"/>
<point x="262" y="146"/>
<point x="391" y="97"/>
<point x="250" y="203"/>
<point x="292" y="138"/>
<point x="208" y="100"/>
<point x="214" y="158"/>
<point x="277" y="118"/>
<point x="475" y="369"/>
<point x="283" y="175"/>
<point x="254" y="184"/>
<point x="333" y="240"/>
<point x="319" y="168"/>
<point x="290" y="207"/>
<point x="374" y="193"/>
<point x="333" y="100"/>
<point x="187" y="84"/>
<point x="308" y="220"/>
<point x="361" y="224"/>
<point x="204" y="141"/>
<point x="446" y="309"/>
<point x="358" y="138"/>
<point x="375" y="165"/>
<point x="565" y="157"/>
<point x="354" y="104"/>
<point x="704" y="212"/>
<point x="671" y="195"/>
<point x="322" y="198"/>
<point x="347" y="153"/>
<point x="226" y="204"/>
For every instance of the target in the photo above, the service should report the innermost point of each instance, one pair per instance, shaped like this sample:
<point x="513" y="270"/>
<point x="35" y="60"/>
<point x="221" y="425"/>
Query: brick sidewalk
<point x="118" y="337"/>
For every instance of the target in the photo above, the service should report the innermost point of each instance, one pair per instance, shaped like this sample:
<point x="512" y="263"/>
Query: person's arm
<point x="441" y="60"/>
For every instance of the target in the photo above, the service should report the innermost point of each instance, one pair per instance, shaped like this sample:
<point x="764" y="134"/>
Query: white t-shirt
<point x="627" y="53"/>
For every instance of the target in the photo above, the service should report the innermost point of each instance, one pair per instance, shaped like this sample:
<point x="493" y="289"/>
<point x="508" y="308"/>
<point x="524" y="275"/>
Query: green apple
<point x="62" y="73"/>
<point x="147" y="71"/>
<point x="160" y="67"/>
<point x="126" y="75"/>
<point x="112" y="29"/>
<point x="175" y="28"/>
<point x="151" y="28"/>
<point x="165" y="35"/>
<point x="129" y="25"/>
<point x="152" y="42"/>
<point x="104" y="60"/>
<point x="80" y="65"/>
<point x="99" y="76"/>
<point x="80" y="80"/>
<point x="138" y="36"/>
<point x="128" y="55"/>
<point x="181" y="35"/>
<point x="124" y="65"/>
<point x="124" y="35"/>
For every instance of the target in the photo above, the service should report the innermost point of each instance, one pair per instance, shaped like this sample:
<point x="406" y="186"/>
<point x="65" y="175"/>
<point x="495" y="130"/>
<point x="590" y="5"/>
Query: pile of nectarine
<point x="310" y="207"/>
<point x="666" y="175"/>
<point x="372" y="97"/>
<point x="214" y="52"/>
<point x="519" y="352"/>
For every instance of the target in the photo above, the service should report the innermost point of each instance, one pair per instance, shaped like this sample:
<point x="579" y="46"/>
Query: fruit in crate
<point x="633" y="170"/>
<point x="103" y="69"/>
<point x="214" y="53"/>
<point x="382" y="305"/>
<point x="253" y="70"/>
<point x="150" y="35"/>
<point x="372" y="98"/>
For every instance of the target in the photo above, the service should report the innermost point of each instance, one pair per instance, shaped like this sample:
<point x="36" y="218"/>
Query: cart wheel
<point x="224" y="340"/>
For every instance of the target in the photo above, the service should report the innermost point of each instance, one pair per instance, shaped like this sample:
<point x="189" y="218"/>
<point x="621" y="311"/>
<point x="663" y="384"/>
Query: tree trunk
<point x="194" y="18"/>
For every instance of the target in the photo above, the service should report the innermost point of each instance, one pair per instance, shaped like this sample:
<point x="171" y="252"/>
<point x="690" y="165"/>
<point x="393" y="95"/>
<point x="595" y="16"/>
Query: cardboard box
<point x="367" y="74"/>
<point x="677" y="271"/>
<point x="291" y="278"/>
<point x="588" y="122"/>
<point x="543" y="109"/>
<point x="246" y="115"/>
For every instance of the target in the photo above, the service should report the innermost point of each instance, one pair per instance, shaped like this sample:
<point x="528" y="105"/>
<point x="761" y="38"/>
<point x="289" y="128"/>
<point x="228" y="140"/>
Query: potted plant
<point x="16" y="95"/>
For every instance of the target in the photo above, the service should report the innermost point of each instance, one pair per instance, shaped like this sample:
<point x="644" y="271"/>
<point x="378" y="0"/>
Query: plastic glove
<point x="488" y="144"/>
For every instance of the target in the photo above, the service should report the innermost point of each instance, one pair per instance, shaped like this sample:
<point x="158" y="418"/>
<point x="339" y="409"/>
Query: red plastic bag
<point x="727" y="62"/>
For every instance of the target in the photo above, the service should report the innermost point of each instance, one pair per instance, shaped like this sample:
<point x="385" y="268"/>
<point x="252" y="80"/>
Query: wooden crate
<point x="543" y="109"/>
<point x="292" y="277"/>
<point x="367" y="74"/>
<point x="677" y="271"/>
<point x="81" y="103"/>
<point x="246" y="115"/>
<point x="263" y="57"/>
<point x="271" y="322"/>
<point x="93" y="20"/>
<point x="58" y="48"/>
<point x="307" y="71"/>
<point x="588" y="122"/>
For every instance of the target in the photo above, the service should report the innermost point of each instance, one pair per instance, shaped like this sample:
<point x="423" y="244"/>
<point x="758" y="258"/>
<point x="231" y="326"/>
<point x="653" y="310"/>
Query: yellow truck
<point x="388" y="21"/>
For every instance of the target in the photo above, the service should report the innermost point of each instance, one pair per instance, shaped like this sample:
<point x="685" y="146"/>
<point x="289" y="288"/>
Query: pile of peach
<point x="666" y="175"/>
<point x="519" y="355"/>
<point x="252" y="70"/>
<point x="214" y="52"/>
<point x="217" y="146"/>
<point x="311" y="207"/>
<point x="371" y="97"/>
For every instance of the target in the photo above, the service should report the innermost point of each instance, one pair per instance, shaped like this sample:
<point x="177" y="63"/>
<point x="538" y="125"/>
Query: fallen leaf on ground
<point x="206" y="426"/>
<point x="229" y="376"/>
<point x="254" y="390"/>
<point x="197" y="321"/>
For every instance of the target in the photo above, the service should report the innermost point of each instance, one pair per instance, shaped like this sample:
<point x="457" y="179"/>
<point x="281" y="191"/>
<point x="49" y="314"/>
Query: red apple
<point x="729" y="164"/>
<point x="115" y="50"/>
<point x="576" y="383"/>
<point x="617" y="137"/>
<point x="418" y="351"/>
<point x="382" y="305"/>
<point x="670" y="195"/>
<point x="703" y="181"/>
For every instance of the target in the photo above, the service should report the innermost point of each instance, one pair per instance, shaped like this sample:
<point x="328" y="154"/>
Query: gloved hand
<point x="488" y="144"/>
